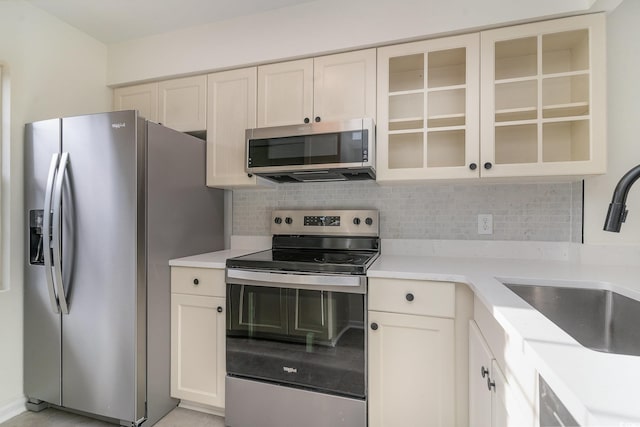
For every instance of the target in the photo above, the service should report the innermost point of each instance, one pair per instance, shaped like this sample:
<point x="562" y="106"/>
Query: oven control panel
<point x="326" y="222"/>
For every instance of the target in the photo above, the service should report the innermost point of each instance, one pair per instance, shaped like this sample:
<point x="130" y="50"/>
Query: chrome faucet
<point x="617" y="212"/>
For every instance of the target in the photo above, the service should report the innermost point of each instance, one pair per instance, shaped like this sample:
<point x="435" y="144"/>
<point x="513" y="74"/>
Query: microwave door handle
<point x="46" y="233"/>
<point x="57" y="229"/>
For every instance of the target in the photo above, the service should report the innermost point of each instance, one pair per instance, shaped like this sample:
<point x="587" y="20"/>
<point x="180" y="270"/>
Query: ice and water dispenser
<point x="36" y="240"/>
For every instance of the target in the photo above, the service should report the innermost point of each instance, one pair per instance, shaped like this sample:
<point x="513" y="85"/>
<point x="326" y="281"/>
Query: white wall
<point x="623" y="85"/>
<point x="317" y="27"/>
<point x="53" y="70"/>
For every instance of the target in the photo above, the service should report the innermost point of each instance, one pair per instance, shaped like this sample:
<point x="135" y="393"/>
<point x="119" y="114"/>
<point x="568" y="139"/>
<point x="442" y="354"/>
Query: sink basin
<point x="599" y="319"/>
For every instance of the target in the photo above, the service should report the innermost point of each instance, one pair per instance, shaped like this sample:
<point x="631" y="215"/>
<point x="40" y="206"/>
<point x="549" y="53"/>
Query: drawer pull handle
<point x="374" y="326"/>
<point x="409" y="297"/>
<point x="484" y="371"/>
<point x="219" y="309"/>
<point x="196" y="282"/>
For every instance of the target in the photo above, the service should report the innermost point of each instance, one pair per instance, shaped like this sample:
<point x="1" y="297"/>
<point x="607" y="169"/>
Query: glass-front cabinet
<point x="521" y="101"/>
<point x="543" y="106"/>
<point x="428" y="94"/>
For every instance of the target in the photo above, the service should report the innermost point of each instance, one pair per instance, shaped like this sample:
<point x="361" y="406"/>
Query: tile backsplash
<point x="540" y="212"/>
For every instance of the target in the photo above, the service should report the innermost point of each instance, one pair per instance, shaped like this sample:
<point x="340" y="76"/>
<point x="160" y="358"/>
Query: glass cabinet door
<point x="427" y="109"/>
<point x="543" y="107"/>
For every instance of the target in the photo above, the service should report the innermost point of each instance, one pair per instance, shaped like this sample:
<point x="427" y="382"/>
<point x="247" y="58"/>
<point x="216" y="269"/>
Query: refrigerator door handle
<point x="57" y="229"/>
<point x="46" y="231"/>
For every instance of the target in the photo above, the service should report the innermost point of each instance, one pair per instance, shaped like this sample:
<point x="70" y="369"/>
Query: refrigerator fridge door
<point x="103" y="265"/>
<point x="42" y="333"/>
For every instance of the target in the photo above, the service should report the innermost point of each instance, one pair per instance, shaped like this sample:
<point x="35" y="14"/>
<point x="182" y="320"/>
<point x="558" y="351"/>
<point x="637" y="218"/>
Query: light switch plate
<point x="485" y="224"/>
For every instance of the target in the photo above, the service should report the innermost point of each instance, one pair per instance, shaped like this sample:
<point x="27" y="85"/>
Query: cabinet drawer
<point x="412" y="297"/>
<point x="198" y="281"/>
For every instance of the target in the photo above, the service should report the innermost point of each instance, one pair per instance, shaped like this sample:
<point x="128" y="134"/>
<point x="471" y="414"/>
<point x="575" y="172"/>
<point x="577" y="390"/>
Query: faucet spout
<point x="617" y="212"/>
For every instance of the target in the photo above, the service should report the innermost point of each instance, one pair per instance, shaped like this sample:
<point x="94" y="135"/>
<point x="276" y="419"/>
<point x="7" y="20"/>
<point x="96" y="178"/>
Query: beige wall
<point x="623" y="86"/>
<point x="53" y="70"/>
<point x="318" y="27"/>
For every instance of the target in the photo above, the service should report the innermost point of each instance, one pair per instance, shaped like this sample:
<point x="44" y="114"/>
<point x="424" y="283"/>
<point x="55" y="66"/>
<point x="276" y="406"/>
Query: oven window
<point x="309" y="338"/>
<point x="339" y="147"/>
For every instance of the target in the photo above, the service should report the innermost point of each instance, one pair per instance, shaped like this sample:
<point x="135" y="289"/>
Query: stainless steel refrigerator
<point x="109" y="199"/>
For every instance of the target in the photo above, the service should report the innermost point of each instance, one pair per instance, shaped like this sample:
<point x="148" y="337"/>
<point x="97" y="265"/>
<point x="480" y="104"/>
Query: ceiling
<point x="112" y="21"/>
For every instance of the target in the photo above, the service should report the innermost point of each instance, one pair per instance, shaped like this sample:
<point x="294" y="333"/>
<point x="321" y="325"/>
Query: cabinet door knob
<point x="196" y="281"/>
<point x="473" y="166"/>
<point x="409" y="297"/>
<point x="250" y="175"/>
<point x="484" y="371"/>
<point x="219" y="309"/>
<point x="374" y="326"/>
<point x="317" y="119"/>
<point x="491" y="384"/>
<point x="306" y="120"/>
<point x="488" y="165"/>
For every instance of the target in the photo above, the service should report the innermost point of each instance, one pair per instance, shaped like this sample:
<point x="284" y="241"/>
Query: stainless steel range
<point x="296" y="342"/>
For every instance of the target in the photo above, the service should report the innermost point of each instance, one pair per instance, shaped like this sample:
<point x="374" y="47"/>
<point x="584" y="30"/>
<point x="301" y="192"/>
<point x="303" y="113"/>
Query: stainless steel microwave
<point x="323" y="151"/>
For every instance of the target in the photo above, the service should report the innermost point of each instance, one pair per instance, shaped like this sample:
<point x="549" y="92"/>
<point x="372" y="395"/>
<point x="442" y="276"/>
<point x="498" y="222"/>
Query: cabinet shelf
<point x="570" y="110"/>
<point x="444" y="88"/>
<point x="405" y="131"/>
<point x="406" y="92"/>
<point x="533" y="77"/>
<point x="446" y="121"/>
<point x="516" y="123"/>
<point x="516" y="114"/>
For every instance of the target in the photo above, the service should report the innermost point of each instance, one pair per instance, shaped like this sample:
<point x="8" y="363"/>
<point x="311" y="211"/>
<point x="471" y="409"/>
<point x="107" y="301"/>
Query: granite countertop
<point x="599" y="389"/>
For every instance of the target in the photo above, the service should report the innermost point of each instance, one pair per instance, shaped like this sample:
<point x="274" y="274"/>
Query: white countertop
<point x="599" y="389"/>
<point x="209" y="260"/>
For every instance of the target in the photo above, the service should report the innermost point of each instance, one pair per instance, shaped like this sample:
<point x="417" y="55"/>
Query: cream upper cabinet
<point x="285" y="93"/>
<point x="333" y="87"/>
<point x="198" y="336"/>
<point x="143" y="98"/>
<point x="232" y="109"/>
<point x="182" y="103"/>
<point x="543" y="98"/>
<point x="428" y="116"/>
<point x="344" y="86"/>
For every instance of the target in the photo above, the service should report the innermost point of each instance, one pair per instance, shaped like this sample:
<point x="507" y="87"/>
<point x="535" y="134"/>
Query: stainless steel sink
<point x="599" y="319"/>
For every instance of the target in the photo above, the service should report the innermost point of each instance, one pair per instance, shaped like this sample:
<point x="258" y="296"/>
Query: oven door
<point x="309" y="337"/>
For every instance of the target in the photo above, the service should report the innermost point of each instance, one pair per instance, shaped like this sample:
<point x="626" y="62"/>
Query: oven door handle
<point x="243" y="276"/>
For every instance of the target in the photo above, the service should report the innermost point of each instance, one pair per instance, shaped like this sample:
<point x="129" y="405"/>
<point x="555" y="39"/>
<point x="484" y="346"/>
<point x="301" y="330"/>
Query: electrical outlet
<point x="485" y="224"/>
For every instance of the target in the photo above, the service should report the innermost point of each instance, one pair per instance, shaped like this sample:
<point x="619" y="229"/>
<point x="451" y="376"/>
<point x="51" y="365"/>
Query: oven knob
<point x="288" y="220"/>
<point x="278" y="220"/>
<point x="368" y="221"/>
<point x="356" y="221"/>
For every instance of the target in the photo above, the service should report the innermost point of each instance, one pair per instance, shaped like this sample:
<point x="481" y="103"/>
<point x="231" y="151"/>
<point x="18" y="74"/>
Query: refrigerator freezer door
<point x="103" y="210"/>
<point x="42" y="334"/>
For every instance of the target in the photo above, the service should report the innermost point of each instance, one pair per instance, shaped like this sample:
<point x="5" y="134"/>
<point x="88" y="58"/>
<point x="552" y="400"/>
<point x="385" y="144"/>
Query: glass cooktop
<point x="306" y="260"/>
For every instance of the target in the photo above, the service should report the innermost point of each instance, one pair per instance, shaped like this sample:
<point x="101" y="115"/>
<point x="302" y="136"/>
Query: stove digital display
<point x="323" y="221"/>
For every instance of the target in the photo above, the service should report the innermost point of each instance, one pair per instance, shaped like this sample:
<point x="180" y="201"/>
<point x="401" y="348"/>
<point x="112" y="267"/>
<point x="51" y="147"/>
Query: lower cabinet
<point x="411" y="367"/>
<point x="198" y="335"/>
<point x="417" y="353"/>
<point x="493" y="401"/>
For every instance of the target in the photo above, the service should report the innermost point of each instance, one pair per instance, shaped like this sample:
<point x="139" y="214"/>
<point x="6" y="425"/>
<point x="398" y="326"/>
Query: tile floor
<point x="50" y="417"/>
